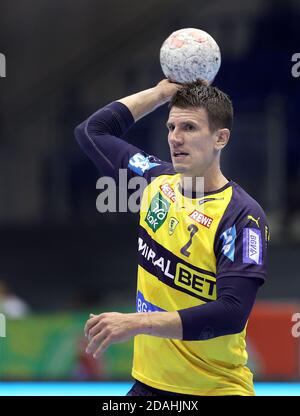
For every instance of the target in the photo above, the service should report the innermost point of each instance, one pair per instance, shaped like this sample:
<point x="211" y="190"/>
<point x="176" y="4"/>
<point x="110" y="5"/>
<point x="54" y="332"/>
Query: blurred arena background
<point x="59" y="258"/>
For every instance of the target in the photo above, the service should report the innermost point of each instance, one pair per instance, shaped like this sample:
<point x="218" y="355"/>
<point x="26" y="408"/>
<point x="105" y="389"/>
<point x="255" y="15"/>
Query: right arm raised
<point x="99" y="136"/>
<point x="144" y="102"/>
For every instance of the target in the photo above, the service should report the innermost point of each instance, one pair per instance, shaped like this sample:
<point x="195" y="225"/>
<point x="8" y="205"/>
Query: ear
<point x="222" y="138"/>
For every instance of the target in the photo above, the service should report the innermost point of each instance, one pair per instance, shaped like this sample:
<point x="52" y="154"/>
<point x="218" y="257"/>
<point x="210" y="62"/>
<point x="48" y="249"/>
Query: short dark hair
<point x="199" y="95"/>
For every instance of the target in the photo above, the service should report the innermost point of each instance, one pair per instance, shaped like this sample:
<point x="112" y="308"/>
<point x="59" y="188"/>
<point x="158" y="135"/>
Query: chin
<point x="179" y="168"/>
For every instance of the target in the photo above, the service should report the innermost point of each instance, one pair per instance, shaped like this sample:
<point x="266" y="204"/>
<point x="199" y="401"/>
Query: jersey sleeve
<point x="100" y="138"/>
<point x="241" y="240"/>
<point x="228" y="314"/>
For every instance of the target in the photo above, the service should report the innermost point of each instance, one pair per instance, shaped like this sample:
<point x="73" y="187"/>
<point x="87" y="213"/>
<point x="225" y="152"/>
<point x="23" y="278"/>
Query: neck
<point x="212" y="180"/>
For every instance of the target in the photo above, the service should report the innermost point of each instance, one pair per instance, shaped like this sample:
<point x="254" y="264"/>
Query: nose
<point x="175" y="138"/>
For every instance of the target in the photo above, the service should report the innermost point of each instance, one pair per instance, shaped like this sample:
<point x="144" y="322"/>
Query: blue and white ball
<point x="190" y="54"/>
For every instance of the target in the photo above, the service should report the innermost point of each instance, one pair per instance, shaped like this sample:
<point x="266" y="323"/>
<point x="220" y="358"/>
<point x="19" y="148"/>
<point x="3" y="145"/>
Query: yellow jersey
<point x="184" y="245"/>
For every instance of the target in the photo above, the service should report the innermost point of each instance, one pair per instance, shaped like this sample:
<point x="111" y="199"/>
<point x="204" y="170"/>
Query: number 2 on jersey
<point x="192" y="229"/>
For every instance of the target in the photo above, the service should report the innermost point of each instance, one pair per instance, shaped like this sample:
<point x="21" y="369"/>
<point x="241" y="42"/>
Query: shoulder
<point x="242" y="206"/>
<point x="243" y="212"/>
<point x="149" y="166"/>
<point x="242" y="237"/>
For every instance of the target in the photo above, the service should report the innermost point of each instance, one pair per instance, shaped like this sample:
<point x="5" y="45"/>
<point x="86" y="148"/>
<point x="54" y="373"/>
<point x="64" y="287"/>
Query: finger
<point x="102" y="348"/>
<point x="87" y="327"/>
<point x="95" y="341"/>
<point x="90" y="323"/>
<point x="85" y="330"/>
<point x="95" y="329"/>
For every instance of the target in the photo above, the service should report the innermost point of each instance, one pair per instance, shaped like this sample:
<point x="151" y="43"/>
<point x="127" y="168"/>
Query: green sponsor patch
<point x="157" y="212"/>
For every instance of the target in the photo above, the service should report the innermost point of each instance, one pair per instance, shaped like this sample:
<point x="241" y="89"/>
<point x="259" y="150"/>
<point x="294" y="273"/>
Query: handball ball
<point x="190" y="54"/>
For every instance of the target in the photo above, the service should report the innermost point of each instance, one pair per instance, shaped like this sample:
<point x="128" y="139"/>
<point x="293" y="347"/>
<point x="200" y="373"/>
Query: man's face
<point x="192" y="144"/>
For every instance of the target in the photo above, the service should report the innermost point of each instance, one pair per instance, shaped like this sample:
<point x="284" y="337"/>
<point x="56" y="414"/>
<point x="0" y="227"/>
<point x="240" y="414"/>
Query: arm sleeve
<point x="100" y="138"/>
<point x="228" y="314"/>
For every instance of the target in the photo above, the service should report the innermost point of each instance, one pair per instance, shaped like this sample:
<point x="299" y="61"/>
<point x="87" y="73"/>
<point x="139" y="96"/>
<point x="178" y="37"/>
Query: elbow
<point x="79" y="132"/>
<point x="88" y="130"/>
<point x="237" y="325"/>
<point x="237" y="329"/>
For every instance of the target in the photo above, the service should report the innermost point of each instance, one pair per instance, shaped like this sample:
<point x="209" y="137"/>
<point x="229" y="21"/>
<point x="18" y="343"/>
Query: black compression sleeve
<point x="226" y="315"/>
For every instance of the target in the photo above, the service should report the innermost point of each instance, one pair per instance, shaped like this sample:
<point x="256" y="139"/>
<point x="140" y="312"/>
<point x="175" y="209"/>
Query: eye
<point x="170" y="127"/>
<point x="189" y="127"/>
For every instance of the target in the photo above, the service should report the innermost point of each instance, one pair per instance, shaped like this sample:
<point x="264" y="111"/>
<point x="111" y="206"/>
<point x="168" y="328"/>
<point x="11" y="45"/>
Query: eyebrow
<point x="168" y="123"/>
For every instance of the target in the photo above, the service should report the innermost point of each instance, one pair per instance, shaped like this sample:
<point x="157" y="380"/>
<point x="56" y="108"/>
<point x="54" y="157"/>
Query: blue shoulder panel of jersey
<point x="242" y="238"/>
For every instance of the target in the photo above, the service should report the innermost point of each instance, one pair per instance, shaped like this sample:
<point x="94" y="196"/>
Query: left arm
<point x="226" y="315"/>
<point x="113" y="327"/>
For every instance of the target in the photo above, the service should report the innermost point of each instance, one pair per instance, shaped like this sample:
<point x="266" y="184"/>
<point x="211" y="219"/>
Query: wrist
<point x="163" y="96"/>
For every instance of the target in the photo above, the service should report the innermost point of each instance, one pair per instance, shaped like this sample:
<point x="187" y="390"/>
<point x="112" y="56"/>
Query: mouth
<point x="179" y="156"/>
